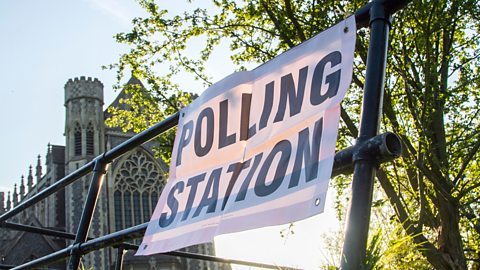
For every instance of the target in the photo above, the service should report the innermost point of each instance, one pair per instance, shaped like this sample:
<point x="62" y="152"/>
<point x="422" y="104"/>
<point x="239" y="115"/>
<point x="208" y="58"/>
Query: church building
<point x="131" y="188"/>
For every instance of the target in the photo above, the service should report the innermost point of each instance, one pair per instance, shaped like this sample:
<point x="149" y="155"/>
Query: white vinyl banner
<point x="256" y="149"/>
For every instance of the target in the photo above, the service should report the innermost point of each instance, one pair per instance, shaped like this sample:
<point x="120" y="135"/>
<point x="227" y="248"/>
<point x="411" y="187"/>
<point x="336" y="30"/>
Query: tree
<point x="431" y="96"/>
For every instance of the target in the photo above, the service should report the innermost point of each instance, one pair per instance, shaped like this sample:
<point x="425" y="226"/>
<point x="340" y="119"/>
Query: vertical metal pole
<point x="356" y="234"/>
<point x="87" y="214"/>
<point x="119" y="259"/>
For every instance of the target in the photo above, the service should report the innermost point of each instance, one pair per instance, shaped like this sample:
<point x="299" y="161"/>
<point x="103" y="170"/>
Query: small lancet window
<point x="77" y="136"/>
<point x="90" y="135"/>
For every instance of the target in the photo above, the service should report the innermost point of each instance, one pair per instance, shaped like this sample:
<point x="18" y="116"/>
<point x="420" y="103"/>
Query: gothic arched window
<point x="77" y="137"/>
<point x="138" y="181"/>
<point x="90" y="141"/>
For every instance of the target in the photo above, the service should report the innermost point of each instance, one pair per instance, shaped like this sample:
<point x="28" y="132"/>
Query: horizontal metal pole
<point x="32" y="229"/>
<point x="115" y="238"/>
<point x="224" y="260"/>
<point x="46" y="260"/>
<point x="94" y="244"/>
<point x="142" y="137"/>
<point x="138" y="232"/>
<point x="204" y="257"/>
<point x="59" y="185"/>
<point x="362" y="15"/>
<point x="383" y="148"/>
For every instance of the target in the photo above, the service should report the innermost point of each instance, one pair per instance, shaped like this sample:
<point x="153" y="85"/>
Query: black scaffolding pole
<point x="366" y="164"/>
<point x="87" y="214"/>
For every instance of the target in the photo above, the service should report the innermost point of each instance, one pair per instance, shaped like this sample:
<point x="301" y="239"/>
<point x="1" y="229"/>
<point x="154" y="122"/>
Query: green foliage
<point x="394" y="250"/>
<point x="373" y="256"/>
<point x="431" y="100"/>
<point x="140" y="109"/>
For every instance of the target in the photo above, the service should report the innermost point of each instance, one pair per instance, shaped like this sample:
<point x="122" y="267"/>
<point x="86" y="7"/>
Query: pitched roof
<point x="123" y="95"/>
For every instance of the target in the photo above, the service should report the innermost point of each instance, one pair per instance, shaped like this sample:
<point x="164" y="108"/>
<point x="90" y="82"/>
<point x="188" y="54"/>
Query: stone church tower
<point x="85" y="139"/>
<point x="84" y="123"/>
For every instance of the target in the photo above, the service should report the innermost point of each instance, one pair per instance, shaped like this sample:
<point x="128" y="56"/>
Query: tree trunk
<point x="450" y="240"/>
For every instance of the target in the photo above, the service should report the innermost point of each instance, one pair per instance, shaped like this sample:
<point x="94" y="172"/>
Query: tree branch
<point x="291" y="16"/>
<point x="439" y="185"/>
<point x="348" y="122"/>
<point x="277" y="24"/>
<point x="466" y="161"/>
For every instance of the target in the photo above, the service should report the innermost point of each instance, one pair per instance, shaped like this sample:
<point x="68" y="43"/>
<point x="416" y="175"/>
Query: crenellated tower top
<point x="83" y="87"/>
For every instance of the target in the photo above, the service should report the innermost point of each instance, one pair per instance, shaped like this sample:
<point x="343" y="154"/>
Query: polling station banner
<point x="256" y="149"/>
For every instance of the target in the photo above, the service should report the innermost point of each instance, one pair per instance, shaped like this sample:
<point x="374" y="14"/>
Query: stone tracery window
<point x="138" y="182"/>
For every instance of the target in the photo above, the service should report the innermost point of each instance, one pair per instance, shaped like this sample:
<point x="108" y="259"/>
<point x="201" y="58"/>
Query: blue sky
<point x="44" y="43"/>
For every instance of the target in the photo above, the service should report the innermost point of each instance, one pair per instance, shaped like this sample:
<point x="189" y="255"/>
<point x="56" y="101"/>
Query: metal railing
<point x="362" y="159"/>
